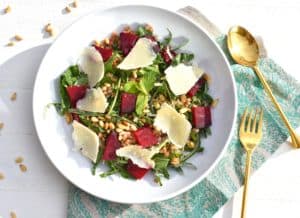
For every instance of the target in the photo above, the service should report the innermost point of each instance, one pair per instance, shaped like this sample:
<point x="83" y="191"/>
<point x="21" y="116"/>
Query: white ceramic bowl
<point x="55" y="134"/>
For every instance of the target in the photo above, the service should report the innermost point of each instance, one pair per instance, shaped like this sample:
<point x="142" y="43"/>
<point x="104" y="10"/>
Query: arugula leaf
<point x="108" y="65"/>
<point x="161" y="162"/>
<point x="141" y="103"/>
<point x="131" y="87"/>
<point x="112" y="105"/>
<point x="116" y="166"/>
<point x="99" y="156"/>
<point x="184" y="43"/>
<point x="65" y="103"/>
<point x="182" y="58"/>
<point x="150" y="75"/>
<point x="142" y="31"/>
<point x="167" y="40"/>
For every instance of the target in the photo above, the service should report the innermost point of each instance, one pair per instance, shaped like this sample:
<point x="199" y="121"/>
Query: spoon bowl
<point x="242" y="46"/>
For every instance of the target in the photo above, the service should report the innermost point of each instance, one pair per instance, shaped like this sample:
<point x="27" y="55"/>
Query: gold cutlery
<point x="244" y="50"/>
<point x="250" y="135"/>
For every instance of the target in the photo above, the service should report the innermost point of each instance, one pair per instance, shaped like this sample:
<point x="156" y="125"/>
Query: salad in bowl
<point x="136" y="104"/>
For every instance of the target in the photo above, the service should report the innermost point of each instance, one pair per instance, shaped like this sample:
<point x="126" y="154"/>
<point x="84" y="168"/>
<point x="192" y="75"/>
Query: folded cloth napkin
<point x="226" y="178"/>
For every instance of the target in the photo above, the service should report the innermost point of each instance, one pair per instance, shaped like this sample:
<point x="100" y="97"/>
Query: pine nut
<point x="23" y="168"/>
<point x="101" y="123"/>
<point x="68" y="9"/>
<point x="75" y="4"/>
<point x="7" y="9"/>
<point x="13" y="96"/>
<point x="94" y="119"/>
<point x="18" y="38"/>
<point x="19" y="160"/>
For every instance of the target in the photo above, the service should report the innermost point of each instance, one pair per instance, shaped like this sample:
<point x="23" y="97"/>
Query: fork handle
<point x="247" y="174"/>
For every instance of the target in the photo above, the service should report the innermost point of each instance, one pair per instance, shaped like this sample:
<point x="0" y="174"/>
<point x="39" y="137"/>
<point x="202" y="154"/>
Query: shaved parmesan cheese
<point x="139" y="155"/>
<point x="91" y="63"/>
<point x="177" y="127"/>
<point x="141" y="55"/>
<point x="94" y="101"/>
<point x="85" y="140"/>
<point x="182" y="78"/>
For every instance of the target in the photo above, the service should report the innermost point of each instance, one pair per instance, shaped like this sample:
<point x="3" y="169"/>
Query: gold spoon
<point x="244" y="50"/>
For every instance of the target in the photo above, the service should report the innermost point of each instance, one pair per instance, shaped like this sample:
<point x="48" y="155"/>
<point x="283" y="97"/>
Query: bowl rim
<point x="210" y="168"/>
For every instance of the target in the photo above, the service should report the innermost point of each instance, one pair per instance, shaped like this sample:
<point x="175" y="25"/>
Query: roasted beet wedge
<point x="145" y="137"/>
<point x="127" y="41"/>
<point x="167" y="55"/>
<point x="201" y="116"/>
<point x="128" y="101"/>
<point x="135" y="170"/>
<point x="111" y="145"/>
<point x="106" y="53"/>
<point x="75" y="93"/>
<point x="193" y="91"/>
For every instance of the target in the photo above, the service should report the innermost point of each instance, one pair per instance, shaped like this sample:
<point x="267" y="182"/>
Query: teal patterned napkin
<point x="218" y="187"/>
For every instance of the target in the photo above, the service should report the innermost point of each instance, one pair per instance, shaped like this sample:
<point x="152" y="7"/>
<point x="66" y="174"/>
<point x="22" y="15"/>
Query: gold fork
<point x="250" y="135"/>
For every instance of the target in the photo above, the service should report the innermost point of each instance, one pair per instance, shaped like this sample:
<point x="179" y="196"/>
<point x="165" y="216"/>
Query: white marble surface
<point x="42" y="191"/>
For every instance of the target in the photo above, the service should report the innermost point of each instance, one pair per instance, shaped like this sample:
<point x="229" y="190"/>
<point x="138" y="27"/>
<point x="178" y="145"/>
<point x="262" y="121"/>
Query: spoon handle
<point x="294" y="137"/>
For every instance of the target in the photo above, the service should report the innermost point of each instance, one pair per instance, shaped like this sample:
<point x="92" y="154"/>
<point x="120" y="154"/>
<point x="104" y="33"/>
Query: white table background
<point x="42" y="191"/>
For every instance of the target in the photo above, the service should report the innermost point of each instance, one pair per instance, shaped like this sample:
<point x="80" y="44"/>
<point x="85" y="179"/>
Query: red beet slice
<point x="193" y="91"/>
<point x="167" y="55"/>
<point x="75" y="93"/>
<point x="128" y="101"/>
<point x="145" y="137"/>
<point x="127" y="41"/>
<point x="106" y="53"/>
<point x="76" y="117"/>
<point x="201" y="116"/>
<point x="111" y="145"/>
<point x="136" y="171"/>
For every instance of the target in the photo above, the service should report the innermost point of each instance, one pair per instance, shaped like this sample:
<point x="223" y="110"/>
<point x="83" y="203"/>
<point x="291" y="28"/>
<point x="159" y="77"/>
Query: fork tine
<point x="260" y="122"/>
<point x="243" y="121"/>
<point x="254" y="123"/>
<point x="249" y="121"/>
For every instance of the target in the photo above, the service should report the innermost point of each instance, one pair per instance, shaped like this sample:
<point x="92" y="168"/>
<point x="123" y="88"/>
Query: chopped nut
<point x="68" y="9"/>
<point x="111" y="126"/>
<point x="118" y="130"/>
<point x="215" y="103"/>
<point x="19" y="160"/>
<point x="207" y="78"/>
<point x="2" y="176"/>
<point x="10" y="44"/>
<point x="175" y="161"/>
<point x="18" y="38"/>
<point x="7" y="9"/>
<point x="101" y="123"/>
<point x="108" y="117"/>
<point x="13" y="96"/>
<point x="149" y="28"/>
<point x="75" y="4"/>
<point x="48" y="27"/>
<point x="106" y="41"/>
<point x="132" y="127"/>
<point x="13" y="214"/>
<point x="68" y="118"/>
<point x="156" y="105"/>
<point x="96" y="42"/>
<point x="161" y="98"/>
<point x="122" y="126"/>
<point x="94" y="119"/>
<point x="23" y="168"/>
<point x="1" y="125"/>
